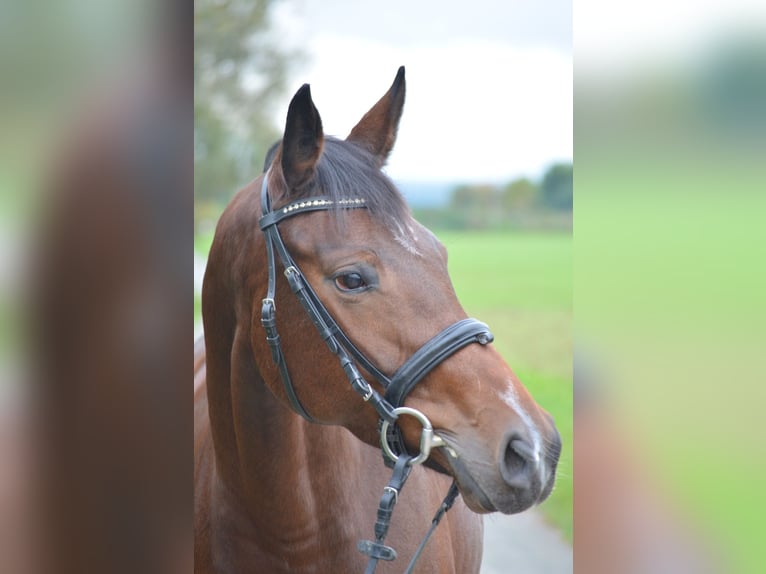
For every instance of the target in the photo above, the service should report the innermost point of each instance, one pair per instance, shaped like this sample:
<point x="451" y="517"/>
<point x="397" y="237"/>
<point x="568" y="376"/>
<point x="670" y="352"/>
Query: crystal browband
<point x="311" y="203"/>
<point x="308" y="205"/>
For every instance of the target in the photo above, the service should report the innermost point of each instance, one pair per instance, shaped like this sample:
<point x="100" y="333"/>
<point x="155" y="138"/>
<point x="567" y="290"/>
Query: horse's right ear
<point x="303" y="139"/>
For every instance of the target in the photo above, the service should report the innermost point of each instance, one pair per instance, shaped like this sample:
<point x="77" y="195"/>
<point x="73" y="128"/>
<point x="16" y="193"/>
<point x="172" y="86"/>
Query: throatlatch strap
<point x="269" y="320"/>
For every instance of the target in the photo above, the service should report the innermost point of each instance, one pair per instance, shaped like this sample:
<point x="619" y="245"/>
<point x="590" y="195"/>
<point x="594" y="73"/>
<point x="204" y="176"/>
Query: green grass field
<point x="670" y="293"/>
<point x="520" y="284"/>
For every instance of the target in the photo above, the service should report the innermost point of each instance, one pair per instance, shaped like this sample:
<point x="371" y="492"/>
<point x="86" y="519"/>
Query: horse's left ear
<point x="376" y="131"/>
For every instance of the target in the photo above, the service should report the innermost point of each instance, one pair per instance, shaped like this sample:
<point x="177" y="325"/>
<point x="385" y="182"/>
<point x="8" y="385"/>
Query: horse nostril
<point x="518" y="462"/>
<point x="524" y="450"/>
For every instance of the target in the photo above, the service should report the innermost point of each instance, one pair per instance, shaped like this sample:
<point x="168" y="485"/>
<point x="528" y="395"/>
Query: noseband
<point x="389" y="406"/>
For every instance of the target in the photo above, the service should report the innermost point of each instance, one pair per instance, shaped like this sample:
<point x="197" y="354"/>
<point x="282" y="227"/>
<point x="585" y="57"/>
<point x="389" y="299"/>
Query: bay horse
<point x="288" y="466"/>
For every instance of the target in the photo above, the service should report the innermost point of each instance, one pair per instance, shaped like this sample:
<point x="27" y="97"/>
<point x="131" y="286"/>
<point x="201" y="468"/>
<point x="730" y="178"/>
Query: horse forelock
<point x="348" y="171"/>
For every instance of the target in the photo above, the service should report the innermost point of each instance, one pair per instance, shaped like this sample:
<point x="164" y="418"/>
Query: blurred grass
<point x="16" y="210"/>
<point x="670" y="279"/>
<point x="521" y="285"/>
<point x="202" y="242"/>
<point x="670" y="276"/>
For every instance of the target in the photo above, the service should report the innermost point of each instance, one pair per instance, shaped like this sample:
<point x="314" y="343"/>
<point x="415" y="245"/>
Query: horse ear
<point x="376" y="131"/>
<point x="303" y="139"/>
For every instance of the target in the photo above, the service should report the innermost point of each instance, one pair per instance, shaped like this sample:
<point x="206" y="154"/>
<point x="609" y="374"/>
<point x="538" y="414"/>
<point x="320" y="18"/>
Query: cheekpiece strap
<point x="328" y="329"/>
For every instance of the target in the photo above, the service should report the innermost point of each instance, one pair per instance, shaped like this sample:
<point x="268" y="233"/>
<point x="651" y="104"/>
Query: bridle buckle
<point x="393" y="491"/>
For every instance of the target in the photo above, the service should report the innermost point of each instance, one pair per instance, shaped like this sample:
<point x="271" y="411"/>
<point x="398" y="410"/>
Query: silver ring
<point x="428" y="439"/>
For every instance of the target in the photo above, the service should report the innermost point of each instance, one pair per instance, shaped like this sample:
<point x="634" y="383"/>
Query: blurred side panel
<point x="670" y="313"/>
<point x="97" y="185"/>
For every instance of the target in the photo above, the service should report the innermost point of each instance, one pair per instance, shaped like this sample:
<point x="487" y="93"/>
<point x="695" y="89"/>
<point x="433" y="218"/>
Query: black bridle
<point x="389" y="406"/>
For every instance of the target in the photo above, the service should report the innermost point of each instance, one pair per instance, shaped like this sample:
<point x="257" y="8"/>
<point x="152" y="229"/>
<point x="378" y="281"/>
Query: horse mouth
<point x="473" y="495"/>
<point x="482" y="488"/>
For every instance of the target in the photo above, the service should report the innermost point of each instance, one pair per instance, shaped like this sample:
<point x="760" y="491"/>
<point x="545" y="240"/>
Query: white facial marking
<point x="407" y="239"/>
<point x="511" y="398"/>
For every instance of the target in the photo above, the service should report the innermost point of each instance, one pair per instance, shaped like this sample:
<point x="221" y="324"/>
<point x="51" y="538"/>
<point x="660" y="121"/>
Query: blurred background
<point x="670" y="134"/>
<point x="96" y="224"/>
<point x="96" y="220"/>
<point x="483" y="156"/>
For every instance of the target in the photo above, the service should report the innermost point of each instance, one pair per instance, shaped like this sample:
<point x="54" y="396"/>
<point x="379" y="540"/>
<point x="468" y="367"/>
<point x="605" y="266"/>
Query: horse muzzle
<point x="518" y="475"/>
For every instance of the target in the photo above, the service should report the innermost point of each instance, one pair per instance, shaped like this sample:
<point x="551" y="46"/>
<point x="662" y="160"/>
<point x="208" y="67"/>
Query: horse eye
<point x="350" y="282"/>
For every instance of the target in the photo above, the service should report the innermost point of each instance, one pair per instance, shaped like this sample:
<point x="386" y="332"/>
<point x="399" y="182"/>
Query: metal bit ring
<point x="428" y="439"/>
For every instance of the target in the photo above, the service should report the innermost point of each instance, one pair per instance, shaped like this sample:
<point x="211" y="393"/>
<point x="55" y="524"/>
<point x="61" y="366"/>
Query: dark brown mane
<point x="346" y="170"/>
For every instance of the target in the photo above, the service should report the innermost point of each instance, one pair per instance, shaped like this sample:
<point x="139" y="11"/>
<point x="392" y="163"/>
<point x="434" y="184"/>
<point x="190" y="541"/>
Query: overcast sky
<point x="489" y="83"/>
<point x="619" y="37"/>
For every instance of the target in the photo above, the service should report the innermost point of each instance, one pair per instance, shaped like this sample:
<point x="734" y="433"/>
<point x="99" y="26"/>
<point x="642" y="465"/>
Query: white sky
<point x="489" y="83"/>
<point x="614" y="37"/>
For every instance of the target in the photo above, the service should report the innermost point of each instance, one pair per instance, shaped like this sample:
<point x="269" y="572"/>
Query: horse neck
<point x="277" y="472"/>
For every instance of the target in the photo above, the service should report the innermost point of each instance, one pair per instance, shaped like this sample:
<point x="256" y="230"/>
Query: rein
<point x="397" y="387"/>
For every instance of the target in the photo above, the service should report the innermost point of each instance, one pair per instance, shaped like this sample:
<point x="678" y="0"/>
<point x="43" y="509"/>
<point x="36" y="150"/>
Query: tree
<point x="557" y="187"/>
<point x="475" y="206"/>
<point x="518" y="195"/>
<point x="474" y="197"/>
<point x="239" y="72"/>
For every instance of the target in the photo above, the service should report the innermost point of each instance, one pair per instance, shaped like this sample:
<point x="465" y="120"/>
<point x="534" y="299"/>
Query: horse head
<point x="383" y="278"/>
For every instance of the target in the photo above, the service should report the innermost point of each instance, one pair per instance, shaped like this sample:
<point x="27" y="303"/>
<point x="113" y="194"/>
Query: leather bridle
<point x="389" y="406"/>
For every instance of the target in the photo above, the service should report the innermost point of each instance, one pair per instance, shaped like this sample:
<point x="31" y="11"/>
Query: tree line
<point x="520" y="204"/>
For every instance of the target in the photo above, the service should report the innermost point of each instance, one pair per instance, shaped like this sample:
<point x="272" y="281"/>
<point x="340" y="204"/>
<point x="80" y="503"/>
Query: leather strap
<point x="446" y="504"/>
<point x="436" y="350"/>
<point x="269" y="320"/>
<point x="377" y="550"/>
<point x="327" y="327"/>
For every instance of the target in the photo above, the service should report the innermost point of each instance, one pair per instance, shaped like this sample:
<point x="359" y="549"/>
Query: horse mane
<point x="346" y="170"/>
